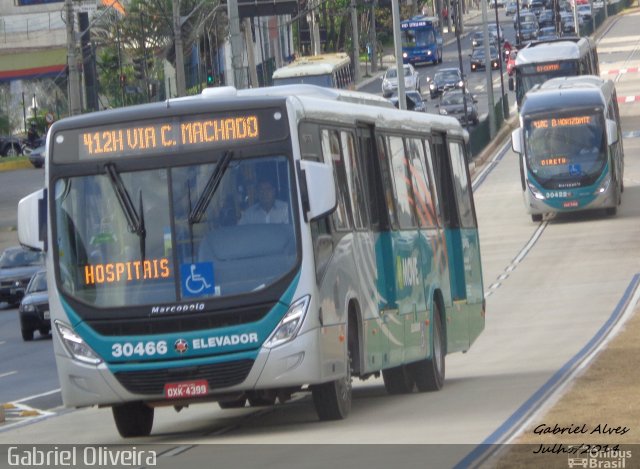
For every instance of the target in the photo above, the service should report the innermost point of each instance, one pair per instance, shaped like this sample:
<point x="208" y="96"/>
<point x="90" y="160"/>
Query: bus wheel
<point x="611" y="211"/>
<point x="429" y="373"/>
<point x="333" y="400"/>
<point x="398" y="380"/>
<point x="536" y="217"/>
<point x="133" y="419"/>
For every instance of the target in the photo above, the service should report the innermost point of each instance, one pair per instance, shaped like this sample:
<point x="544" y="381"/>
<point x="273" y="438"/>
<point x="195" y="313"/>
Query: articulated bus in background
<point x="327" y="70"/>
<point x="570" y="147"/>
<point x="540" y="61"/>
<point x="421" y="40"/>
<point x="245" y="245"/>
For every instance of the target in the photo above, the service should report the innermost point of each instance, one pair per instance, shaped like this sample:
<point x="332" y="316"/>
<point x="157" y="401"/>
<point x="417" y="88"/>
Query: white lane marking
<point x="8" y="373"/>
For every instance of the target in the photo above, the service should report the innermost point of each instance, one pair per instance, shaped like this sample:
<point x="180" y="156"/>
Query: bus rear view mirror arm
<point x="318" y="189"/>
<point x="32" y="220"/>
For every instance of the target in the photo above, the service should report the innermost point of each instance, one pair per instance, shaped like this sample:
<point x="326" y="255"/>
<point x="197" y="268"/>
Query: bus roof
<point x="537" y="52"/>
<point x="431" y="19"/>
<point x="312" y="65"/>
<point x="567" y="93"/>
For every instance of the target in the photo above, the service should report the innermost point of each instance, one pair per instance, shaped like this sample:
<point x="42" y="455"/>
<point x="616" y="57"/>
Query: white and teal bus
<point x="570" y="147"/>
<point x="540" y="61"/>
<point x="164" y="292"/>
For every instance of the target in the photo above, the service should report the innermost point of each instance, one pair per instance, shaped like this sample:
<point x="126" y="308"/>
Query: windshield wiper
<point x="196" y="213"/>
<point x="135" y="219"/>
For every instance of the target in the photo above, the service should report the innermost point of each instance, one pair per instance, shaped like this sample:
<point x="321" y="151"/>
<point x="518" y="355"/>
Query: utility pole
<point x="181" y="86"/>
<point x="251" y="56"/>
<point x="372" y="38"/>
<point x="356" y="42"/>
<point x="73" y="76"/>
<point x="395" y="9"/>
<point x="239" y="80"/>
<point x="487" y="66"/>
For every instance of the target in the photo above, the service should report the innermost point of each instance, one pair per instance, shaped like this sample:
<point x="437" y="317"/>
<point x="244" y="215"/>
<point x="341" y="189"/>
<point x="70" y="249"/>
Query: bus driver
<point x="268" y="209"/>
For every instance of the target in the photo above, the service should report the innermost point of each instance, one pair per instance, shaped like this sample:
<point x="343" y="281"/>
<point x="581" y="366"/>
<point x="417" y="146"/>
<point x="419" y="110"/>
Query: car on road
<point x="390" y="80"/>
<point x="37" y="156"/>
<point x="528" y="31"/>
<point x="477" y="40"/>
<point x="17" y="266"/>
<point x="452" y="104"/>
<point x="34" y="307"/>
<point x="494" y="29"/>
<point x="10" y="146"/>
<point x="511" y="8"/>
<point x="414" y="101"/>
<point x="478" y="59"/>
<point x="546" y="18"/>
<point x="444" y="79"/>
<point x="584" y="11"/>
<point x="548" y="33"/>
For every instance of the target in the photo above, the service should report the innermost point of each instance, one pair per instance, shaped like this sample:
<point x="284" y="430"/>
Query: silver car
<point x="390" y="80"/>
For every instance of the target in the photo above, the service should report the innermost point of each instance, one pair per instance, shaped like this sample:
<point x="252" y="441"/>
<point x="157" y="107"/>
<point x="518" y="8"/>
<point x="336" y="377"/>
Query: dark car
<point x="34" y="307"/>
<point x="445" y="79"/>
<point x="414" y="101"/>
<point x="10" y="146"/>
<point x="477" y="39"/>
<point x="528" y="31"/>
<point x="546" y="19"/>
<point x="478" y="59"/>
<point x="452" y="104"/>
<point x="17" y="266"/>
<point x="37" y="156"/>
<point x="548" y="33"/>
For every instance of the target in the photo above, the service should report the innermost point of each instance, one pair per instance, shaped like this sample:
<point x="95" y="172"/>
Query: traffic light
<point x="209" y="78"/>
<point x="138" y="68"/>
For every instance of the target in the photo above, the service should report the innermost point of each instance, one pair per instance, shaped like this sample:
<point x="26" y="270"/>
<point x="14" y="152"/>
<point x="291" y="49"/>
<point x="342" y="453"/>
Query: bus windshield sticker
<point x="575" y="170"/>
<point x="197" y="279"/>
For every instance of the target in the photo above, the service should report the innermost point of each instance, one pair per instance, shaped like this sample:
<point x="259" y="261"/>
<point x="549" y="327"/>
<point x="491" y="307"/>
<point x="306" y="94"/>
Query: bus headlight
<point x="604" y="185"/>
<point x="405" y="55"/>
<point x="77" y="347"/>
<point x="534" y="190"/>
<point x="290" y="323"/>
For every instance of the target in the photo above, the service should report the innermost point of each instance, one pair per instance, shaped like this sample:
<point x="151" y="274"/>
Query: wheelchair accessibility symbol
<point x="197" y="279"/>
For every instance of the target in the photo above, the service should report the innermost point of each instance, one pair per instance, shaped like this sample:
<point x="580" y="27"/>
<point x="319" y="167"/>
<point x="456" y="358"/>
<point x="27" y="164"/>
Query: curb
<point x="18" y="164"/>
<point x="2" y="414"/>
<point x="497" y="141"/>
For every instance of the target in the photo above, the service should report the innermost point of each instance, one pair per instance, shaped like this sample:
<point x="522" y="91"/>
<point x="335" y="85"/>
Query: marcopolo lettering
<point x="225" y="340"/>
<point x="188" y="308"/>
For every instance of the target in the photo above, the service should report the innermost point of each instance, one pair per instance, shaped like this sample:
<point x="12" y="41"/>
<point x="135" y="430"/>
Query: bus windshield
<point x="565" y="148"/>
<point x="530" y="75"/>
<point x="197" y="239"/>
<point x="419" y="37"/>
<point x="325" y="81"/>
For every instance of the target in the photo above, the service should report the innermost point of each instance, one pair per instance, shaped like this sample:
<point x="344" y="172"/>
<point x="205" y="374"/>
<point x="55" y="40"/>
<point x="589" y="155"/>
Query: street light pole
<point x="402" y="100"/>
<point x="487" y="65"/>
<point x="505" y="104"/>
<point x="464" y="81"/>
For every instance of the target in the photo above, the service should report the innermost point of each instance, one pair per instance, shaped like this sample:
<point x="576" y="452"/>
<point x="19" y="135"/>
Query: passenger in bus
<point x="268" y="209"/>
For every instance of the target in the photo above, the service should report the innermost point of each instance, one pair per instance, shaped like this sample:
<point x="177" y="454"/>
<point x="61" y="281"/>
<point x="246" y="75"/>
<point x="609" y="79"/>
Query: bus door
<point x="378" y="276"/>
<point x="450" y="181"/>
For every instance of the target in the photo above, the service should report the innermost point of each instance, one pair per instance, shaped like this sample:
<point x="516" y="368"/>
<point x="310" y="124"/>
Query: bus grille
<point x="219" y="375"/>
<point x="178" y="323"/>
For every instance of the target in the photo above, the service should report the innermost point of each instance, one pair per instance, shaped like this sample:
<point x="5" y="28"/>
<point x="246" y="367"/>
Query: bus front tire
<point x="333" y="400"/>
<point x="536" y="217"/>
<point x="133" y="419"/>
<point x="429" y="373"/>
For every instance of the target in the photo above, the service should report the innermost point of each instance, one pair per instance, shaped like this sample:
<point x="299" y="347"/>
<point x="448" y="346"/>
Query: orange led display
<point x="149" y="269"/>
<point x="554" y="161"/>
<point x="138" y="140"/>
<point x="547" y="68"/>
<point x="561" y="122"/>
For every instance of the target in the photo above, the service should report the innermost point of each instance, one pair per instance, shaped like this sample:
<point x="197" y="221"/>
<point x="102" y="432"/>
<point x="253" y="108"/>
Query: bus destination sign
<point x="561" y="122"/>
<point x="137" y="139"/>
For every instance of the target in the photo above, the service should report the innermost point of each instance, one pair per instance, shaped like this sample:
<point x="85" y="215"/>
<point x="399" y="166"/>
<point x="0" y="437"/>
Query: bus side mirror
<point x="612" y="132"/>
<point x="32" y="220"/>
<point x="511" y="87"/>
<point x="318" y="189"/>
<point x="516" y="140"/>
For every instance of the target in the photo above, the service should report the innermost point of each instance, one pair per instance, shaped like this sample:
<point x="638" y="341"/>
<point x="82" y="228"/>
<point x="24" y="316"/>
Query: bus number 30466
<point x="129" y="349"/>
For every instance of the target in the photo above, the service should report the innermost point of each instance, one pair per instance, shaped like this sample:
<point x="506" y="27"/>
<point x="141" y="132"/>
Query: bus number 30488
<point x="129" y="349"/>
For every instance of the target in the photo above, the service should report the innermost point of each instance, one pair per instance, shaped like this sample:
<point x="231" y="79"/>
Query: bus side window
<point x="332" y="155"/>
<point x="430" y="173"/>
<point x="461" y="185"/>
<point x="421" y="185"/>
<point x="358" y="203"/>
<point x="387" y="183"/>
<point x="404" y="200"/>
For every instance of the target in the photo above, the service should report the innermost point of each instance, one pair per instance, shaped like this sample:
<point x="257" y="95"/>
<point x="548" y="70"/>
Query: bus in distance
<point x="327" y="70"/>
<point x="570" y="147"/>
<point x="540" y="61"/>
<point x="421" y="40"/>
<point x="241" y="246"/>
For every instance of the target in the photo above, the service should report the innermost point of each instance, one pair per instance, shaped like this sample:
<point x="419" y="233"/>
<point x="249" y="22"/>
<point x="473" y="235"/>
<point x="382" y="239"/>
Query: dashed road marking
<point x="8" y="373"/>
